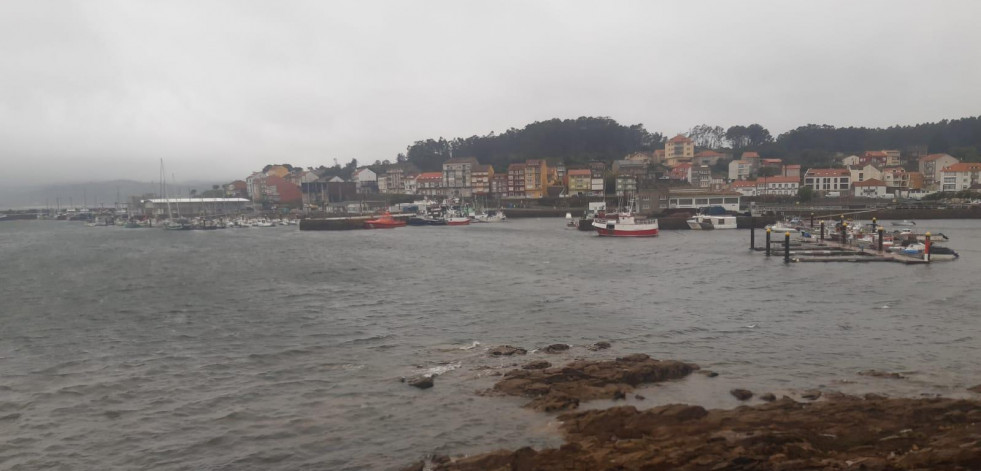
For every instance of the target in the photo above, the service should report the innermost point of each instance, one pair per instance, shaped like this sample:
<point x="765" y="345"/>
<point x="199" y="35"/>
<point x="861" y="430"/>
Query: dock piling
<point x="926" y="248"/>
<point x="786" y="247"/>
<point x="881" y="229"/>
<point x="812" y="220"/>
<point x="822" y="231"/>
<point x="768" y="242"/>
<point x="752" y="233"/>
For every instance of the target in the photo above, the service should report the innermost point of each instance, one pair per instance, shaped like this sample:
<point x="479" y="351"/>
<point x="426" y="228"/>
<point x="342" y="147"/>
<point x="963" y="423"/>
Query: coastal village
<point x="675" y="177"/>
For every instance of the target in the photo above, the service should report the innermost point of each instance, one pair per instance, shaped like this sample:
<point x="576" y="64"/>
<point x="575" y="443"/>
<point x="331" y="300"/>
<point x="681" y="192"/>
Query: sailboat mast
<point x="163" y="189"/>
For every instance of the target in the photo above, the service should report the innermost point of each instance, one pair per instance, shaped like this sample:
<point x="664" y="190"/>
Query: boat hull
<point x="605" y="232"/>
<point x="383" y="225"/>
<point x="457" y="222"/>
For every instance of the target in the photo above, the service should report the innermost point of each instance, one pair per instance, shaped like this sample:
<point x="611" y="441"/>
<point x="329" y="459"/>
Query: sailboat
<point x="170" y="224"/>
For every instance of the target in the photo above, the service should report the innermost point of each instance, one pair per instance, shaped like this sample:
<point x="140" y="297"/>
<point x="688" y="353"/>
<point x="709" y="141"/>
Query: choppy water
<point x="278" y="349"/>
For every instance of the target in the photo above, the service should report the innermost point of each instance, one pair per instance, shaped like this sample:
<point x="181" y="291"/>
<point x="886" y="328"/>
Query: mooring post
<point x="786" y="247"/>
<point x="822" y="231"/>
<point x="926" y="248"/>
<point x="768" y="242"/>
<point x="752" y="233"/>
<point x="844" y="233"/>
<point x="812" y="220"/>
<point x="880" y="238"/>
<point x="873" y="224"/>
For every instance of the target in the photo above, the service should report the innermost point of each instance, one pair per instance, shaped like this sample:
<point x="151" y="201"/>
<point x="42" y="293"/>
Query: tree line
<point x="577" y="141"/>
<point x="585" y="139"/>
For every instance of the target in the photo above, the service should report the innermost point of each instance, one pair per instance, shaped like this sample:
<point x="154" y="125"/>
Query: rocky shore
<point x="827" y="432"/>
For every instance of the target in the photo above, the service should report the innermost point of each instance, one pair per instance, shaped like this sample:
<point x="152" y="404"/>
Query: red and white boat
<point x="385" y="221"/>
<point x="625" y="225"/>
<point x="457" y="221"/>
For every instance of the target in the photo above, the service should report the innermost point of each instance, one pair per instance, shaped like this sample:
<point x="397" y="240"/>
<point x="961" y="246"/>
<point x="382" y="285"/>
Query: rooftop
<point x="964" y="167"/>
<point x="827" y="172"/>
<point x="870" y="182"/>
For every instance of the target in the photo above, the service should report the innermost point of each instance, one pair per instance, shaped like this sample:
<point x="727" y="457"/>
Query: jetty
<point x="833" y="246"/>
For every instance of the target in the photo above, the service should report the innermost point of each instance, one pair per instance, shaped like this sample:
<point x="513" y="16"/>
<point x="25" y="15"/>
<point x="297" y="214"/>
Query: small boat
<point x="699" y="223"/>
<point x="904" y="223"/>
<point x="457" y="221"/>
<point x="385" y="221"/>
<point x="626" y="225"/>
<point x="569" y="222"/>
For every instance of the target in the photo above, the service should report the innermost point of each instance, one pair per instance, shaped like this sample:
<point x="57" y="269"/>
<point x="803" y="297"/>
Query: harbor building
<point x="191" y="207"/>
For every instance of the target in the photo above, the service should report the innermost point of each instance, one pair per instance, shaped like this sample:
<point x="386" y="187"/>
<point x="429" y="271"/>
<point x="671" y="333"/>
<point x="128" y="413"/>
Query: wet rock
<point x="417" y="466"/>
<point x="883" y="434"/>
<point x="562" y="388"/>
<point x="599" y="346"/>
<point x="709" y="373"/>
<point x="811" y="394"/>
<point x="507" y="350"/>
<point x="421" y="381"/>
<point x="881" y="374"/>
<point x="536" y="365"/>
<point x="618" y="394"/>
<point x="976" y="389"/>
<point x="768" y="397"/>
<point x="741" y="394"/>
<point x="873" y="397"/>
<point x="556" y="348"/>
<point x="639" y="397"/>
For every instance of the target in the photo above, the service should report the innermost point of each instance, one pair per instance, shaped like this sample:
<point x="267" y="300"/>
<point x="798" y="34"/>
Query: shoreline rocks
<point x="562" y="388"/>
<point x="741" y="394"/>
<point x="506" y="350"/>
<point x="845" y="432"/>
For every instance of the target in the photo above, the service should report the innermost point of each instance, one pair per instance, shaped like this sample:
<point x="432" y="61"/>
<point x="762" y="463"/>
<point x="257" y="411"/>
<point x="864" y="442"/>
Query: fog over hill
<point x="94" y="194"/>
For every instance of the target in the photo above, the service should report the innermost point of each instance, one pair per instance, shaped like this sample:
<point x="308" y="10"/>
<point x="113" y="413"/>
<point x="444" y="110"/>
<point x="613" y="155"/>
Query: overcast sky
<point x="93" y="90"/>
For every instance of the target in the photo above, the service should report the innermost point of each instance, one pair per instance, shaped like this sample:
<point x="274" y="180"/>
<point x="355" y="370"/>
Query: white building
<point x="961" y="176"/>
<point x="777" y="185"/>
<point x="868" y="172"/>
<point x="365" y="180"/>
<point x="850" y="160"/>
<point x="740" y="170"/>
<point x="695" y="198"/>
<point x="871" y="188"/>
<point x="828" y="179"/>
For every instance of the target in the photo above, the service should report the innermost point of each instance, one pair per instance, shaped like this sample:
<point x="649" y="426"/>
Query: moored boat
<point x="457" y="221"/>
<point x="385" y="221"/>
<point x="626" y="225"/>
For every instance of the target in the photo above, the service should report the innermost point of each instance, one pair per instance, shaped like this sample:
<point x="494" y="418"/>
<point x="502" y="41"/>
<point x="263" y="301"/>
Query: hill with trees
<point x="577" y="141"/>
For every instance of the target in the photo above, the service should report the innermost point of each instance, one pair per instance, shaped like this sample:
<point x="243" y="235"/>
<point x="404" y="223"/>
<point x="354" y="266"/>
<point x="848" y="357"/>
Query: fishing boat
<point x="457" y="221"/>
<point x="626" y="225"/>
<point x="385" y="221"/>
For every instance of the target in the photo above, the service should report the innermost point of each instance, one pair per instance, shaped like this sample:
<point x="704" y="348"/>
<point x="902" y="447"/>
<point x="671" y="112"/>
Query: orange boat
<point x="386" y="221"/>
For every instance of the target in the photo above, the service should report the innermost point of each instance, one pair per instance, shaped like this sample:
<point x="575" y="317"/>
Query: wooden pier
<point x="827" y="250"/>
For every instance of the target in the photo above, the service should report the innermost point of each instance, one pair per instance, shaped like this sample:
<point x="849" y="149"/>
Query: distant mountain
<point x="92" y="194"/>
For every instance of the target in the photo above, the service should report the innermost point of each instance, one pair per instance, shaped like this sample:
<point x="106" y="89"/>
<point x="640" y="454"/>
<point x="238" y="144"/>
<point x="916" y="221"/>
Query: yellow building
<point x="580" y="181"/>
<point x="678" y="149"/>
<point x="536" y="174"/>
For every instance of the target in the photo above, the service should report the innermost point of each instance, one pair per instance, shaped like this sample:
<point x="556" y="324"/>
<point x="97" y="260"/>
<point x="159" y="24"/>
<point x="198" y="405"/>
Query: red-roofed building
<point x="430" y="184"/>
<point x="791" y="171"/>
<point x="681" y="172"/>
<point x="871" y="188"/>
<point x="961" y="176"/>
<point x="828" y="179"/>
